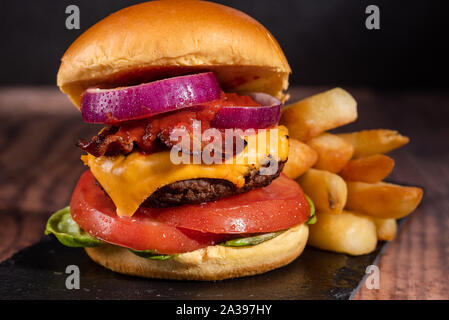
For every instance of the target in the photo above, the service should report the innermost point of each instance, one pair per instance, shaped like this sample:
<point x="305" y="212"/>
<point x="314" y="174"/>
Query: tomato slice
<point x="94" y="212"/>
<point x="278" y="206"/>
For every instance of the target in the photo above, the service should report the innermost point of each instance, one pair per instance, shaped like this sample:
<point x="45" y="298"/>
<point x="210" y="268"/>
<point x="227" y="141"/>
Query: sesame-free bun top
<point x="158" y="39"/>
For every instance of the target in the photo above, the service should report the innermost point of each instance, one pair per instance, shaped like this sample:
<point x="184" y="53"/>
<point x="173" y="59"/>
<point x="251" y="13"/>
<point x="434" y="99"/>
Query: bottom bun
<point x="210" y="263"/>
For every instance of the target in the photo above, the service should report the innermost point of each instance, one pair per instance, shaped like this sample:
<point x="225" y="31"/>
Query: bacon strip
<point x="153" y="134"/>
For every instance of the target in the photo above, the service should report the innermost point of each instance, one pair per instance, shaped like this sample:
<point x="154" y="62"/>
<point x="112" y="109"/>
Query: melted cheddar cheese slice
<point x="130" y="179"/>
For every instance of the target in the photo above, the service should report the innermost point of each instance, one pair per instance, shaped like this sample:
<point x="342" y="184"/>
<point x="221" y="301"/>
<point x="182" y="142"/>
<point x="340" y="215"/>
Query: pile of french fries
<point x="343" y="173"/>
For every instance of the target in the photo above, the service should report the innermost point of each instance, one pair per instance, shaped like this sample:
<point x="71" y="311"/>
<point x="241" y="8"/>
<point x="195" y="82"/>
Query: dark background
<point x="325" y="41"/>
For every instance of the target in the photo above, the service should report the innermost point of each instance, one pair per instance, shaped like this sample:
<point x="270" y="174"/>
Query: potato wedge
<point x="308" y="118"/>
<point x="347" y="232"/>
<point x="327" y="190"/>
<point x="369" y="142"/>
<point x="370" y="169"/>
<point x="386" y="228"/>
<point x="300" y="158"/>
<point x="333" y="152"/>
<point x="382" y="200"/>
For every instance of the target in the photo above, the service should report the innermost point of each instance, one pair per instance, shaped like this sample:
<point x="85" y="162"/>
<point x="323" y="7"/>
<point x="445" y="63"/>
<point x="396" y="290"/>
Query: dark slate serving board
<point x="38" y="272"/>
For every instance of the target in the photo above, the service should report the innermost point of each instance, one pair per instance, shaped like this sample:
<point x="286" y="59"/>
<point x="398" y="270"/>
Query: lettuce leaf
<point x="312" y="216"/>
<point x="68" y="232"/>
<point x="251" y="241"/>
<point x="152" y="254"/>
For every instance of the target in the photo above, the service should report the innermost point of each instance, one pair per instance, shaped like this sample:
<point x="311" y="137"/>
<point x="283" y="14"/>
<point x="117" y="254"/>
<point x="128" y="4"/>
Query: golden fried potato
<point x="300" y="158"/>
<point x="370" y="169"/>
<point x="382" y="200"/>
<point x="308" y="118"/>
<point x="333" y="152"/>
<point x="386" y="228"/>
<point x="369" y="142"/>
<point x="327" y="190"/>
<point x="347" y="232"/>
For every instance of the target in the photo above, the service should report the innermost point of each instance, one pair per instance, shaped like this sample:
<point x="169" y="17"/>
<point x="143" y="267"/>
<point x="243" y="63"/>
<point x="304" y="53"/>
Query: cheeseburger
<point x="184" y="180"/>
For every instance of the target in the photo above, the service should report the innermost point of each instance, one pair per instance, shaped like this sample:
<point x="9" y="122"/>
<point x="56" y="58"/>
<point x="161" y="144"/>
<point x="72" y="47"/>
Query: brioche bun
<point x="210" y="263"/>
<point x="159" y="39"/>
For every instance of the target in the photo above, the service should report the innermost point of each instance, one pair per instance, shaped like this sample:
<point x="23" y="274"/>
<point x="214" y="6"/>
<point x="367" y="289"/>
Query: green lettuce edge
<point x="312" y="216"/>
<point x="251" y="241"/>
<point x="67" y="231"/>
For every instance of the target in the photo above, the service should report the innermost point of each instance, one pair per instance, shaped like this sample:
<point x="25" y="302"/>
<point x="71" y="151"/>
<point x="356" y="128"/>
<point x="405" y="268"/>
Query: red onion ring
<point x="261" y="117"/>
<point x="142" y="101"/>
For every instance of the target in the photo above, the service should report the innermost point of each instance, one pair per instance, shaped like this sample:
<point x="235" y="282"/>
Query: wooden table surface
<point x="39" y="166"/>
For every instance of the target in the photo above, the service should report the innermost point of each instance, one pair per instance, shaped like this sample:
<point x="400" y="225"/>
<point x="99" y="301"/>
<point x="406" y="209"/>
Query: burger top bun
<point x="158" y="39"/>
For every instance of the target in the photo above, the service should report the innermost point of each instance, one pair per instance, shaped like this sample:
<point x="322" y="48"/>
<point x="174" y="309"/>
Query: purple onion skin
<point x="244" y="118"/>
<point x="110" y="106"/>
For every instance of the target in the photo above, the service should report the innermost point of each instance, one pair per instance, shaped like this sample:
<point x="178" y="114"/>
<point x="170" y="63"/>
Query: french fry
<point x="369" y="142"/>
<point x="333" y="152"/>
<point x="347" y="232"/>
<point x="327" y="190"/>
<point x="300" y="158"/>
<point x="382" y="200"/>
<point x="308" y="118"/>
<point x="386" y="229"/>
<point x="370" y="169"/>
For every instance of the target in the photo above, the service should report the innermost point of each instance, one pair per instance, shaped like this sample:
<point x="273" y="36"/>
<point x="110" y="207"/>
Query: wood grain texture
<point x="39" y="166"/>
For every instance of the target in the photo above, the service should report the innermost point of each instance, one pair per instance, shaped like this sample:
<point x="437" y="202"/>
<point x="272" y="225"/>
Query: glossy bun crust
<point x="211" y="263"/>
<point x="158" y="39"/>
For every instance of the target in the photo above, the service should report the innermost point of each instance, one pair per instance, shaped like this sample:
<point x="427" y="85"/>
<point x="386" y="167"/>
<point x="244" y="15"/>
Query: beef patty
<point x="205" y="189"/>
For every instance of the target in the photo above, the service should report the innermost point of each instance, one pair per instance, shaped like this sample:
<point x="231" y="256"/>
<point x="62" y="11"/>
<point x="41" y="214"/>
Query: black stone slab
<point x="38" y="272"/>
